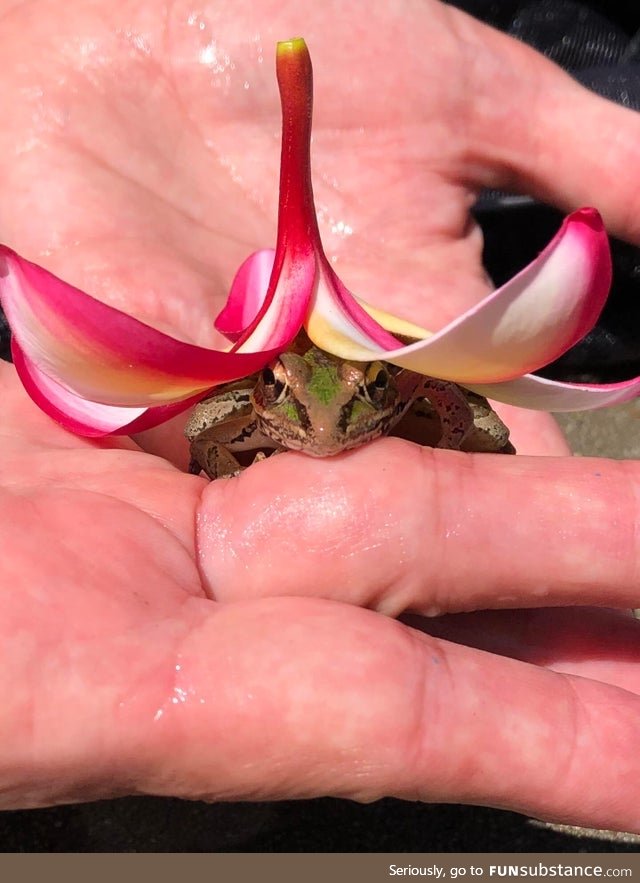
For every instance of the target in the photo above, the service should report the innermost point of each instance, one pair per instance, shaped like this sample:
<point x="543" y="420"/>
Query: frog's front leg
<point x="214" y="450"/>
<point x="223" y="433"/>
<point x="218" y="462"/>
<point x="212" y="458"/>
<point x="453" y="409"/>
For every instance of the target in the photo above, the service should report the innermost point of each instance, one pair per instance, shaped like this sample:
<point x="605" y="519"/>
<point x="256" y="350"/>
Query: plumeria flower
<point x="99" y="371"/>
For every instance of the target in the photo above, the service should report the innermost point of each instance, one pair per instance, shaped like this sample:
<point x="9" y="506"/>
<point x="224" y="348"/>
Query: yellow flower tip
<point x="293" y="69"/>
<point x="296" y="46"/>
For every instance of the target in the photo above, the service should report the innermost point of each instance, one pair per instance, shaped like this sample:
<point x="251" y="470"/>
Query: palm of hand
<point x="143" y="170"/>
<point x="142" y="162"/>
<point x="130" y="172"/>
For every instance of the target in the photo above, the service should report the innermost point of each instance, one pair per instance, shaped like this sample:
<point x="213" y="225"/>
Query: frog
<point x="311" y="401"/>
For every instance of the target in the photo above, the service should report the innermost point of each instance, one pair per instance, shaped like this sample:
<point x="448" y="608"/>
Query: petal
<point x="75" y="346"/>
<point x="340" y="324"/>
<point x="81" y="416"/>
<point x="391" y="323"/>
<point x="286" y="304"/>
<point x="105" y="355"/>
<point x="527" y="323"/>
<point x="293" y="277"/>
<point x="541" y="394"/>
<point x="247" y="295"/>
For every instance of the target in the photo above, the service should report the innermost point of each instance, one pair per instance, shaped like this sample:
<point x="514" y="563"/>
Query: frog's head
<point x="322" y="403"/>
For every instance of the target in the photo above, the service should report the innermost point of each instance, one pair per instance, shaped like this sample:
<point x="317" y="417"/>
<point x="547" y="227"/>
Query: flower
<point x="99" y="371"/>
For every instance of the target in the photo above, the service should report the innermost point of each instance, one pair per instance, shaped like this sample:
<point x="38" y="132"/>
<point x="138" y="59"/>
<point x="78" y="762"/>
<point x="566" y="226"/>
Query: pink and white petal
<point x="393" y="324"/>
<point x="286" y="304"/>
<point x="332" y="316"/>
<point x="339" y="323"/>
<point x="541" y="394"/>
<point x="525" y="324"/>
<point x="74" y="413"/>
<point x="293" y="275"/>
<point x="247" y="294"/>
<point x="103" y="354"/>
<point x="83" y="417"/>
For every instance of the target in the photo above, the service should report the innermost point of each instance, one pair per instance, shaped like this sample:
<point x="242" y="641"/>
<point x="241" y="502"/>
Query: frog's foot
<point x="216" y="461"/>
<point x="455" y="413"/>
<point x="212" y="459"/>
<point x="489" y="434"/>
<point x="422" y="425"/>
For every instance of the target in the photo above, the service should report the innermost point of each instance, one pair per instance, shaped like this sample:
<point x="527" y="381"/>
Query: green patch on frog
<point x="289" y="411"/>
<point x="324" y="383"/>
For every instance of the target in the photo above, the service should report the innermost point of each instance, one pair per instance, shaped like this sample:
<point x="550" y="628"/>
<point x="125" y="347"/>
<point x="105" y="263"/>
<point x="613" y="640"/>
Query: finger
<point x="396" y="527"/>
<point x="299" y="697"/>
<point x="302" y="697"/>
<point x="600" y="644"/>
<point x="535" y="129"/>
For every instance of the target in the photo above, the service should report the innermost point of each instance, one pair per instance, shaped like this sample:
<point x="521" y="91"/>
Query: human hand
<point x="253" y="695"/>
<point x="168" y="636"/>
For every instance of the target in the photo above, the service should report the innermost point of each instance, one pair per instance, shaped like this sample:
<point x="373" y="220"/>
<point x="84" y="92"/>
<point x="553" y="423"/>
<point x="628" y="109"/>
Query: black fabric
<point x="597" y="42"/>
<point x="146" y="824"/>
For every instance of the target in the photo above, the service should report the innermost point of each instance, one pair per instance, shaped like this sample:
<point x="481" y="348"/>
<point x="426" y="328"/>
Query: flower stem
<point x="297" y="223"/>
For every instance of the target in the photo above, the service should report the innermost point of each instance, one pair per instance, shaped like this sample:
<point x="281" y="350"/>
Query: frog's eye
<point x="273" y="387"/>
<point x="376" y="382"/>
<point x="381" y="379"/>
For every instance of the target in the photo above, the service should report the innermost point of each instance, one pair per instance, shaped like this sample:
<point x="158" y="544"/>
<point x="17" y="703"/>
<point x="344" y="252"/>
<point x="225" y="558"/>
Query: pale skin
<point x="163" y="634"/>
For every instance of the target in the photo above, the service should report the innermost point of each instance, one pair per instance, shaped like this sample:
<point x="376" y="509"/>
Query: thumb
<point x="532" y="128"/>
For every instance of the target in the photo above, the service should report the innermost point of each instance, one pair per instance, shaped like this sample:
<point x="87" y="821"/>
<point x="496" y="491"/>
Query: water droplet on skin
<point x="195" y="20"/>
<point x="340" y="228"/>
<point x="257" y="39"/>
<point x="213" y="57"/>
<point x="231" y="167"/>
<point x="432" y="612"/>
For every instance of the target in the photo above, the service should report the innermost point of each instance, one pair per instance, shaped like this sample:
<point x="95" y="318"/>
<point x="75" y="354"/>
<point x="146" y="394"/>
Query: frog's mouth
<point x="321" y="442"/>
<point x="320" y="451"/>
